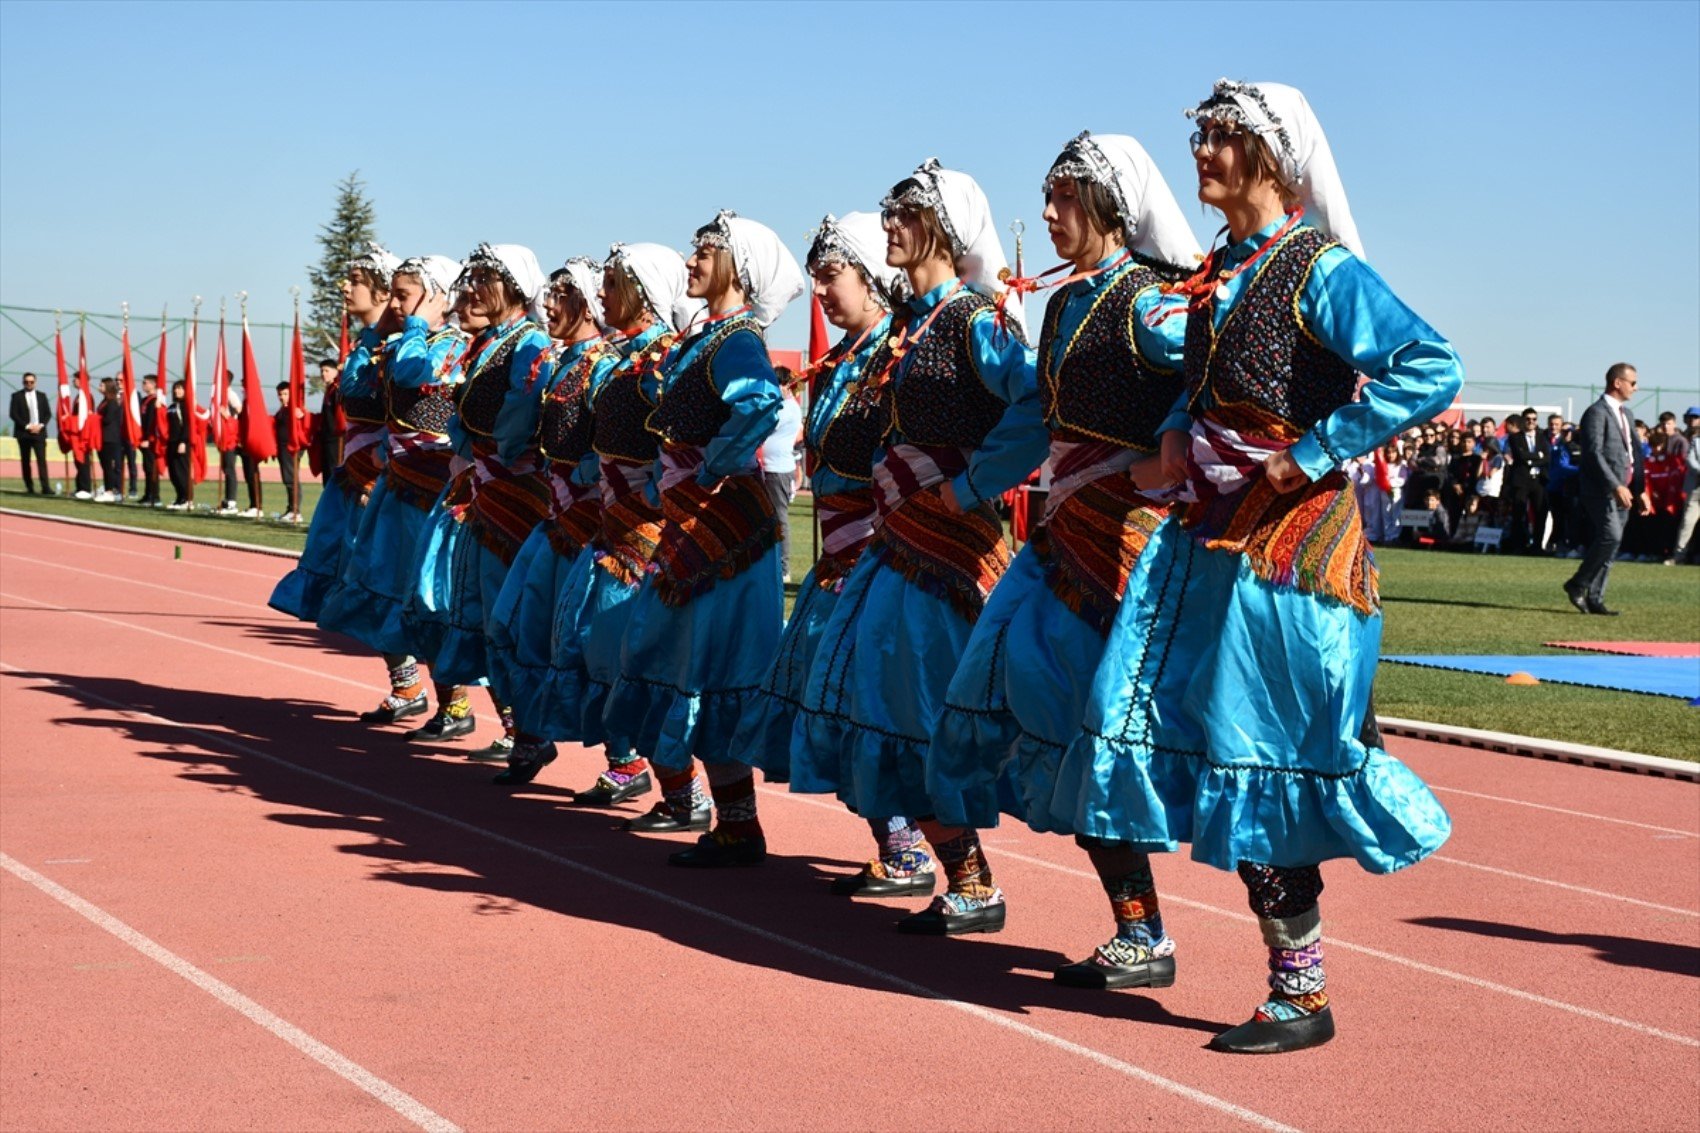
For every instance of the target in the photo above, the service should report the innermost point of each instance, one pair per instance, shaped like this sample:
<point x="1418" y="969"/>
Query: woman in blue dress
<point x="534" y="642"/>
<point x="643" y="298"/>
<point x="1232" y="707"/>
<point x="1109" y="372"/>
<point x="497" y="495"/>
<point x="419" y="370"/>
<point x="843" y="432"/>
<point x="705" y="624"/>
<point x="965" y="427"/>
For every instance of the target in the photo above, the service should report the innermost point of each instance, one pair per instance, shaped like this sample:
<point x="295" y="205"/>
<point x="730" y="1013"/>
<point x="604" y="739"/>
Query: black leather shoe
<point x="935" y="920"/>
<point x="711" y="852"/>
<point x="388" y="714"/>
<point x="1093" y="973"/>
<point x="525" y="765"/>
<point x="443" y="727"/>
<point x="661" y="820"/>
<point x="606" y="792"/>
<point x="865" y="884"/>
<point x="1258" y="1037"/>
<point x="499" y="750"/>
<point x="1602" y="609"/>
<point x="1578" y="598"/>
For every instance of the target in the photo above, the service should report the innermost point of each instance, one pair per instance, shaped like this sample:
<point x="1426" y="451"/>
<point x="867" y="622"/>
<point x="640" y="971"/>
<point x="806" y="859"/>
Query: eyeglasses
<point x="1209" y="141"/>
<point x="896" y="214"/>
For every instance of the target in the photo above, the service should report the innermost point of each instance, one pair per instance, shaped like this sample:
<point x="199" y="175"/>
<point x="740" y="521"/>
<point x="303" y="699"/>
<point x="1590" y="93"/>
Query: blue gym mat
<point x="1656" y="676"/>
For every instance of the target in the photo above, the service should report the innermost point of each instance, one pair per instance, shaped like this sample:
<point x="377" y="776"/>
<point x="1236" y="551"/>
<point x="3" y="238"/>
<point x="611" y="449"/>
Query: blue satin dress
<point x="336" y="518"/>
<point x="890" y="647"/>
<point x="1018" y="696"/>
<point x="764" y="731"/>
<point x="456" y="576"/>
<point x="688" y="672"/>
<point x="534" y="642"/>
<point x="368" y="599"/>
<point x="1227" y="711"/>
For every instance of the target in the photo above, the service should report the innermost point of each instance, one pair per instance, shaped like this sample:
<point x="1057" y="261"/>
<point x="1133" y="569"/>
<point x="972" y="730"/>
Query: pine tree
<point x="351" y="227"/>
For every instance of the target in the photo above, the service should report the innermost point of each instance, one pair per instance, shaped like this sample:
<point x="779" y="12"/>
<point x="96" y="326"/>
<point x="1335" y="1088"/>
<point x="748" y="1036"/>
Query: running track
<point x="228" y="905"/>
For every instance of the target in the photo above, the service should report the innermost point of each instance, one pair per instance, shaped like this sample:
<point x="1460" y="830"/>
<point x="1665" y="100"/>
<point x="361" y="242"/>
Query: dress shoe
<point x="715" y="852"/>
<point x="662" y="820"/>
<point x="389" y="713"/>
<point x="1277" y="1037"/>
<point x="1602" y="609"/>
<point x="1093" y="972"/>
<point x="865" y="884"/>
<point x="1578" y="598"/>
<point x="944" y="917"/>
<point x="608" y="792"/>
<point x="442" y="727"/>
<point x="499" y="750"/>
<point x="523" y="766"/>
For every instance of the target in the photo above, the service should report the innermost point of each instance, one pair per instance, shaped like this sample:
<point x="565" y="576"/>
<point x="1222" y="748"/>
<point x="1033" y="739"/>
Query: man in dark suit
<point x="177" y="460"/>
<point x="31" y="414"/>
<point x="1521" y="494"/>
<point x="288" y="463"/>
<point x="1612" y="480"/>
<point x="150" y="440"/>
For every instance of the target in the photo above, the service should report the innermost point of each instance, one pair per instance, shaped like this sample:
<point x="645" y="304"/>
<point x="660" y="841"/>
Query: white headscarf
<point x="1150" y="215"/>
<point x="437" y="273"/>
<point x="585" y="274"/>
<point x="379" y="261"/>
<point x="659" y="273"/>
<point x="857" y="238"/>
<point x="966" y="216"/>
<point x="765" y="266"/>
<point x="1281" y="116"/>
<point x="514" y="263"/>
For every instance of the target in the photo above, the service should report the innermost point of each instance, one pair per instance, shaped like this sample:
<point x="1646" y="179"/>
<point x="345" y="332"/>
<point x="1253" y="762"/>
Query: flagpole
<point x="189" y="400"/>
<point x="64" y="456"/>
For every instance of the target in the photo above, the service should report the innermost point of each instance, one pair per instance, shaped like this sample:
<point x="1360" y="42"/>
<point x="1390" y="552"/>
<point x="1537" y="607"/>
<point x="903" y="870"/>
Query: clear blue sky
<point x="1524" y="174"/>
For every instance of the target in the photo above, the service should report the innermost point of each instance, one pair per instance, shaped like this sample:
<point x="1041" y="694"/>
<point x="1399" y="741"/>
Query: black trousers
<point x="150" y="478"/>
<point x="251" y="477"/>
<point x="227" y="463"/>
<point x="112" y="468"/>
<point x="33" y="446"/>
<point x="289" y="467"/>
<point x="130" y="467"/>
<point x="85" y="476"/>
<point x="177" y="467"/>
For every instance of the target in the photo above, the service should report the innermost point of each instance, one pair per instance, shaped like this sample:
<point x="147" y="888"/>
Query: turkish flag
<point x="300" y="425"/>
<point x="161" y="401"/>
<point x="88" y="421"/>
<point x="67" y="415"/>
<point x="258" y="440"/>
<point x="192" y="413"/>
<point x="223" y="430"/>
<point x="127" y="390"/>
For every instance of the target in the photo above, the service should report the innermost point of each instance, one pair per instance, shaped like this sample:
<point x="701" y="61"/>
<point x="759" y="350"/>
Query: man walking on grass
<point x="1612" y="480"/>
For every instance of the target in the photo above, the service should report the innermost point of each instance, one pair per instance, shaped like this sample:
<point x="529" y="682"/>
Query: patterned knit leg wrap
<point x="965" y="865"/>
<point x="684" y="792"/>
<point x="1285" y="903"/>
<point x="504" y="713"/>
<point x="452" y="700"/>
<point x="902" y="848"/>
<point x="734" y="788"/>
<point x="1126" y="876"/>
<point x="624" y="761"/>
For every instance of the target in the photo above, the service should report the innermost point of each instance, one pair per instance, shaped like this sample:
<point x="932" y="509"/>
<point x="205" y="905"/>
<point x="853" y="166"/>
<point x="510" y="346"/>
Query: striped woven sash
<point x="708" y="536"/>
<point x="1089" y="543"/>
<point x="575" y="513"/>
<point x="362" y="452"/>
<point x="507" y="500"/>
<point x="846" y="525"/>
<point x="417" y="477"/>
<point x="955" y="557"/>
<point x="631" y="525"/>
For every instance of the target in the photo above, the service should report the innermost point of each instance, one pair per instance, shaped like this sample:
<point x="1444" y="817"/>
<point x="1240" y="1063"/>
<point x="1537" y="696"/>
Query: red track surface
<point x="185" y="761"/>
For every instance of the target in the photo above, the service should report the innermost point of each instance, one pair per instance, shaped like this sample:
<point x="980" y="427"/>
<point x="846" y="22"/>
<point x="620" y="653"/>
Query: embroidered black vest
<point x="621" y="410"/>
<point x="368" y="408"/>
<point x="1098" y="386"/>
<point x="938" y="397"/>
<point x="691" y="410"/>
<point x="857" y="432"/>
<point x="566" y="427"/>
<point x="479" y="397"/>
<point x="425" y="410"/>
<point x="1264" y="370"/>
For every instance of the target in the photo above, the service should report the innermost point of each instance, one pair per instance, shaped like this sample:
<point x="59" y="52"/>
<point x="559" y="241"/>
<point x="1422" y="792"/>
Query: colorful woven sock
<point x="902" y="849"/>
<point x="624" y="764"/>
<point x="965" y="869"/>
<point x="1126" y="876"/>
<point x="733" y="786"/>
<point x="505" y="714"/>
<point x="405" y="683"/>
<point x="452" y="701"/>
<point x="683" y="791"/>
<point x="1284" y="900"/>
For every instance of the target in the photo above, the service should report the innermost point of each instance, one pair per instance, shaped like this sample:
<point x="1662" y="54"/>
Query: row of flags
<point x="249" y="430"/>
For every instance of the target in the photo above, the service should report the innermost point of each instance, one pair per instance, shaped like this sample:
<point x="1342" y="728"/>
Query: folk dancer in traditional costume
<point x="847" y="426"/>
<point x="1232" y="709"/>
<point x="643" y="299"/>
<point x="418" y="372"/>
<point x="496" y="496"/>
<point x="1109" y="372"/>
<point x="534" y="642"/>
<point x="965" y="427"/>
<point x="706" y="622"/>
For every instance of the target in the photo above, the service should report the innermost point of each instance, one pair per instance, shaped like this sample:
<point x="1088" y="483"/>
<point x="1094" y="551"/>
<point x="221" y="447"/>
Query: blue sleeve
<point x="1164" y="345"/>
<point x="531" y="374"/>
<point x="744" y="377"/>
<point x="1413" y="372"/>
<point x="411" y="368"/>
<point x="1019" y="442"/>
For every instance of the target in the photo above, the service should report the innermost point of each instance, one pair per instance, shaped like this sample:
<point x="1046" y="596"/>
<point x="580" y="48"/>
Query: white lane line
<point x="985" y="1015"/>
<point x="1565" y="885"/>
<point x="251" y="607"/>
<point x="13" y="533"/>
<point x="339" y="1064"/>
<point x="184" y="640"/>
<point x="1562" y="810"/>
<point x="1336" y="942"/>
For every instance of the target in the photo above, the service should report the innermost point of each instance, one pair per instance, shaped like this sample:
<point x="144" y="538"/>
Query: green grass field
<point x="1434" y="602"/>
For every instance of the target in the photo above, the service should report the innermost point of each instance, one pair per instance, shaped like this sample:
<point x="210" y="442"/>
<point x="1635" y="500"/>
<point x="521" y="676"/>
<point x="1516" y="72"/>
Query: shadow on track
<point x="1625" y="951"/>
<point x="288" y="632"/>
<point x="787" y="896"/>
